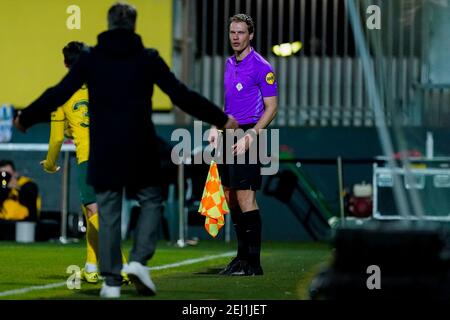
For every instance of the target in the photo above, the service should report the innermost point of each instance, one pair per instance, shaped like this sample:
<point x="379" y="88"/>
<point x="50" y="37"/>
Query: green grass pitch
<point x="288" y="270"/>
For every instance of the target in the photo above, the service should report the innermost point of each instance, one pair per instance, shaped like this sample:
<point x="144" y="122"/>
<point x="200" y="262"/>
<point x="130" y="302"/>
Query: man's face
<point x="239" y="36"/>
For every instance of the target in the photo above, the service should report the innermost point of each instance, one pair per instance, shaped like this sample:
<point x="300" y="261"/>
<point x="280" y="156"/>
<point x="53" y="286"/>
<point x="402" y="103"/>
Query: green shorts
<point x="87" y="193"/>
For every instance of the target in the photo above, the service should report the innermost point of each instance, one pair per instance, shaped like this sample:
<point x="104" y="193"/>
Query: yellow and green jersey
<point x="73" y="118"/>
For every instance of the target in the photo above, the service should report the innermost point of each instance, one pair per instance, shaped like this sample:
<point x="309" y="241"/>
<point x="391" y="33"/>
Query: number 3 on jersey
<point x="83" y="107"/>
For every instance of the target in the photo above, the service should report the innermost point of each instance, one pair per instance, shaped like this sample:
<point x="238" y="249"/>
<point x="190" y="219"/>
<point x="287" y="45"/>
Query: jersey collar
<point x="246" y="59"/>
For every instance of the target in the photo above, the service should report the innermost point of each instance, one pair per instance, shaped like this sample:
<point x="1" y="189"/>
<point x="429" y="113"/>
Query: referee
<point x="251" y="98"/>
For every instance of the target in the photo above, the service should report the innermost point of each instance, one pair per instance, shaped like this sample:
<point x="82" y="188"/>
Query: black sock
<point x="253" y="226"/>
<point x="239" y="228"/>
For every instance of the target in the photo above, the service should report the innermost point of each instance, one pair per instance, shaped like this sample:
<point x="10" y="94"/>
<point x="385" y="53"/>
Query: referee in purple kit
<point x="251" y="98"/>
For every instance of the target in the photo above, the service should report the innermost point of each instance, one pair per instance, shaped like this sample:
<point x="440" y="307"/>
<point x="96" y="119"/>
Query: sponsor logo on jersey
<point x="270" y="78"/>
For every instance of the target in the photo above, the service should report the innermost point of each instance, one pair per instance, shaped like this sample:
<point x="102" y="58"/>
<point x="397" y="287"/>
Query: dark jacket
<point x="120" y="74"/>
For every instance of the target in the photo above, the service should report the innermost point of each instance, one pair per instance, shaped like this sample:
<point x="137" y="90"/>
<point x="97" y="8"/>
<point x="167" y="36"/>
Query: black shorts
<point x="236" y="176"/>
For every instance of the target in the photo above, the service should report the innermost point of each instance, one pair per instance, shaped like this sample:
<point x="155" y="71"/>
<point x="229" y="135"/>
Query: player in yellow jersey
<point x="72" y="120"/>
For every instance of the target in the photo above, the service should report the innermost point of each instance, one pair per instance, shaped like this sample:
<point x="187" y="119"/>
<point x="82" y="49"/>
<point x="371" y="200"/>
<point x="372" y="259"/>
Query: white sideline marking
<point x="192" y="261"/>
<point x="165" y="266"/>
<point x="35" y="288"/>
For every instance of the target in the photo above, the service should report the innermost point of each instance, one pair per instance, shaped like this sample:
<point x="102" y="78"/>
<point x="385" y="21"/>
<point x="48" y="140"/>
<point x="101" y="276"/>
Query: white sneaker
<point x="109" y="291"/>
<point x="140" y="277"/>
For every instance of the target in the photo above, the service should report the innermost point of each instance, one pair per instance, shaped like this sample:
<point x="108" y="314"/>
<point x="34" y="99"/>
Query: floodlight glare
<point x="287" y="49"/>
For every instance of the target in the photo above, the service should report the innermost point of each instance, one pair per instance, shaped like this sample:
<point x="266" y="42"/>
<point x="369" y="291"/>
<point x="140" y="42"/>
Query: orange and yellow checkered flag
<point x="213" y="204"/>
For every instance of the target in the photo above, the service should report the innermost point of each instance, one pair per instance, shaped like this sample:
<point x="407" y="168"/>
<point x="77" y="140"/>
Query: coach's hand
<point x="17" y="123"/>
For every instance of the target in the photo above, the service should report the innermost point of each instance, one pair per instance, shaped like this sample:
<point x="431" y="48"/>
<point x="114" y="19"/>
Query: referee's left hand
<point x="243" y="144"/>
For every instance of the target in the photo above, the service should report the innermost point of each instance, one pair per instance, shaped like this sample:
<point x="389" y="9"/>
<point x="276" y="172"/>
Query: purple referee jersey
<point x="246" y="84"/>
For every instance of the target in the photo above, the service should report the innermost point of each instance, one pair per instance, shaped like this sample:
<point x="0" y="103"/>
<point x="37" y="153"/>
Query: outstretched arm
<point x="52" y="98"/>
<point x="187" y="99"/>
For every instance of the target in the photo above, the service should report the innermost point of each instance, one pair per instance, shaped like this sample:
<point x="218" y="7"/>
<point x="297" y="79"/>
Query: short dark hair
<point x="241" y="17"/>
<point x="122" y="16"/>
<point x="72" y="51"/>
<point x="4" y="163"/>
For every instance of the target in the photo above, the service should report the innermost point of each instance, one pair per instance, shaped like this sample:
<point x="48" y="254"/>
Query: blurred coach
<point x="120" y="73"/>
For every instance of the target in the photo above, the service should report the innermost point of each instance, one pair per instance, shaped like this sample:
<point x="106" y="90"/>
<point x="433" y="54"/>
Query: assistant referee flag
<point x="213" y="204"/>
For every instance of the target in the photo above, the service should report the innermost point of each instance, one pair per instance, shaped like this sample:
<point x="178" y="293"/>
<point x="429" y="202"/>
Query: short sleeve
<point x="267" y="81"/>
<point x="58" y="115"/>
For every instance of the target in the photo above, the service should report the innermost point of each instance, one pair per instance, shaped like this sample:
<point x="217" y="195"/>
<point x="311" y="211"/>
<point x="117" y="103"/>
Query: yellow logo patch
<point x="270" y="78"/>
